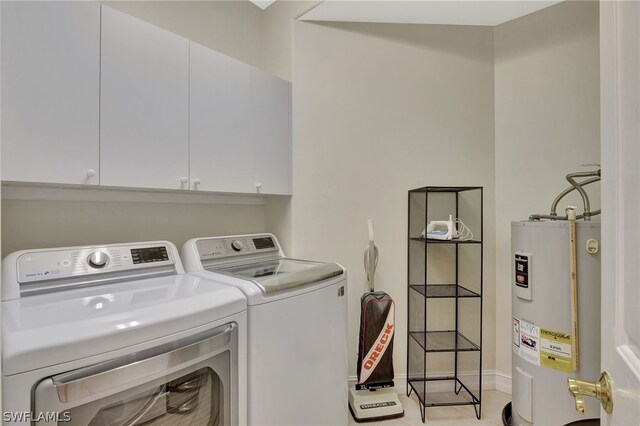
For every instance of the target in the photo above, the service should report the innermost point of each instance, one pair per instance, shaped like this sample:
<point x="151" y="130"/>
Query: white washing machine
<point x="119" y="335"/>
<point x="297" y="313"/>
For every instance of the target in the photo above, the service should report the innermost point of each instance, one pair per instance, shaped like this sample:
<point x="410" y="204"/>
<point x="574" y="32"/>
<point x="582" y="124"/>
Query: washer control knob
<point x="98" y="259"/>
<point x="237" y="245"/>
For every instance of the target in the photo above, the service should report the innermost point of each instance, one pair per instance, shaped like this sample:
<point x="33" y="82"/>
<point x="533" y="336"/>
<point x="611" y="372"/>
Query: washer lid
<point x="54" y="328"/>
<point x="280" y="274"/>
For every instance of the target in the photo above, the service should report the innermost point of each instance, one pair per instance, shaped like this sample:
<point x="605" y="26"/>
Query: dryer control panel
<point x="74" y="262"/>
<point x="224" y="247"/>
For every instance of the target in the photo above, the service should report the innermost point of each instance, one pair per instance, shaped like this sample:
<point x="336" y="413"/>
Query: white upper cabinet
<point x="91" y="95"/>
<point x="50" y="91"/>
<point x="271" y="137"/>
<point x="220" y="122"/>
<point x="144" y="108"/>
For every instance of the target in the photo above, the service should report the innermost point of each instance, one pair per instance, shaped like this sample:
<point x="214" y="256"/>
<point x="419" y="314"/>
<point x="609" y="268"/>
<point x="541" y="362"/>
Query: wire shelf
<point x="432" y="291"/>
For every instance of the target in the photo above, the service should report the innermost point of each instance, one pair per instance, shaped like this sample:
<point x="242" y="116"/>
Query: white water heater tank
<point x="542" y="330"/>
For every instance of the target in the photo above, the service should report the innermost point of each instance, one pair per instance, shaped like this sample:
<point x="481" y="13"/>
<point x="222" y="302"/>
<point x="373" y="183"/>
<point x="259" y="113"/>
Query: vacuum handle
<point x="371" y="258"/>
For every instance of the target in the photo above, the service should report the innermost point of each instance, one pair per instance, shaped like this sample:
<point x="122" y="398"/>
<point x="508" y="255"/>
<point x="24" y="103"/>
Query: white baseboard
<point x="491" y="379"/>
<point x="503" y="382"/>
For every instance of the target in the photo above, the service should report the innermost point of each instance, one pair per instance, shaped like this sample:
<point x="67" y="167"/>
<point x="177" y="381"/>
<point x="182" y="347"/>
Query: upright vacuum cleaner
<point x="373" y="398"/>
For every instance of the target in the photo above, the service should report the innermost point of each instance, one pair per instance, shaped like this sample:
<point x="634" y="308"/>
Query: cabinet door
<point x="220" y="122"/>
<point x="144" y="109"/>
<point x="271" y="138"/>
<point x="50" y="91"/>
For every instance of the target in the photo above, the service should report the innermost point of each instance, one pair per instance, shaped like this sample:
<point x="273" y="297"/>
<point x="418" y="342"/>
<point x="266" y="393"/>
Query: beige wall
<point x="379" y="109"/>
<point x="37" y="224"/>
<point x="279" y="21"/>
<point x="278" y="40"/>
<point x="547" y="124"/>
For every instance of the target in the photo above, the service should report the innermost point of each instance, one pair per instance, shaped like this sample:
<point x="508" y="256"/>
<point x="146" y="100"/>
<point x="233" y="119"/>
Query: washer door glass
<point x="185" y="382"/>
<point x="194" y="398"/>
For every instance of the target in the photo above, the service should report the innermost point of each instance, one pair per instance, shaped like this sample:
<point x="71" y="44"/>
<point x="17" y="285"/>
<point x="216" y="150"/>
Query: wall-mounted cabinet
<point x="50" y="91"/>
<point x="240" y="138"/>
<point x="144" y="104"/>
<point x="91" y="97"/>
<point x="220" y="122"/>
<point x="271" y="112"/>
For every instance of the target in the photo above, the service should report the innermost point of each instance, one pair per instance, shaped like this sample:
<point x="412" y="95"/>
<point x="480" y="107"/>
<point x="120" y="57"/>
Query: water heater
<point x="543" y="336"/>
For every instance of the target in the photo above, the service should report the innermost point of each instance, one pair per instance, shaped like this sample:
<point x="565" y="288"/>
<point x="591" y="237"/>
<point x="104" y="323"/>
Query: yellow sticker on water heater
<point x="555" y="350"/>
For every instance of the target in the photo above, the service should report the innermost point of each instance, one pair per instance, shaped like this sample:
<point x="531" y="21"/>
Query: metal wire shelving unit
<point x="444" y="295"/>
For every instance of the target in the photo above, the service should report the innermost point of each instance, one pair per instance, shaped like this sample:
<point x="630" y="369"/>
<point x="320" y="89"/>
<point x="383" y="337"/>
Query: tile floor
<point x="492" y="404"/>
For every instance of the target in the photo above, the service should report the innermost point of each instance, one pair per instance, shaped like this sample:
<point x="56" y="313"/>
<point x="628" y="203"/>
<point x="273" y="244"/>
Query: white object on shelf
<point x="440" y="230"/>
<point x="447" y="230"/>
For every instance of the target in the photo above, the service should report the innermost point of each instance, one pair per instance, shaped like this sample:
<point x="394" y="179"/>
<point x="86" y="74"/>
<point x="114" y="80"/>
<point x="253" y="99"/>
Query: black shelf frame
<point x="443" y="341"/>
<point x="438" y="399"/>
<point x="443" y="291"/>
<point x="432" y="241"/>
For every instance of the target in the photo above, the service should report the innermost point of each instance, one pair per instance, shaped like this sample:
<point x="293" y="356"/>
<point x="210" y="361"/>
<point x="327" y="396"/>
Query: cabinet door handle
<point x="91" y="173"/>
<point x="258" y="186"/>
<point x="184" y="179"/>
<point x="196" y="182"/>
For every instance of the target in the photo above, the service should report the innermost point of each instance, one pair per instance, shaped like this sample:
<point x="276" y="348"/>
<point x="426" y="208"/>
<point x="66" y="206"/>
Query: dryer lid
<point x="58" y="327"/>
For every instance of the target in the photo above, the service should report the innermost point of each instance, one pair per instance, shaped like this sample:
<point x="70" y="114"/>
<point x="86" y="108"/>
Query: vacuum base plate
<point x="369" y="406"/>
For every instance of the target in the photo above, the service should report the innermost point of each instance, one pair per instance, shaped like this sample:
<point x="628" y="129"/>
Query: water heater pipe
<point x="570" y="189"/>
<point x="587" y="213"/>
<point x="556" y="217"/>
<point x="575" y="356"/>
<point x="585" y="198"/>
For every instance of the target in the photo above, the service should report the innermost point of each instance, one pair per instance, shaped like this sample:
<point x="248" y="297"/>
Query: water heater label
<point x="555" y="350"/>
<point x="522" y="270"/>
<point x="528" y="340"/>
<point x="523" y="279"/>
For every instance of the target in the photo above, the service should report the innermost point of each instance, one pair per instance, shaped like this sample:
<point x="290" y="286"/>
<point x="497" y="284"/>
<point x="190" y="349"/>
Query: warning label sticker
<point x="555" y="350"/>
<point x="530" y="342"/>
<point x="516" y="335"/>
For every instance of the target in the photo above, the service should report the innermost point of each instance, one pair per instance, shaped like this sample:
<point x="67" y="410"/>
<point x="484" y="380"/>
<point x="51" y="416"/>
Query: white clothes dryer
<point x="119" y="335"/>
<point x="297" y="315"/>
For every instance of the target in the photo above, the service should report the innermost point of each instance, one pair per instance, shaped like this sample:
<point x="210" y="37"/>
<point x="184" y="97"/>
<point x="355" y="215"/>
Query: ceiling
<point x="451" y="12"/>
<point x="262" y="4"/>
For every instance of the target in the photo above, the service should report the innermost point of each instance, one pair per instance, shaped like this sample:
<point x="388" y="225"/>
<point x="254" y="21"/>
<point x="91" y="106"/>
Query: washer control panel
<point x="219" y="248"/>
<point x="55" y="264"/>
<point x="149" y="255"/>
<point x="98" y="259"/>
